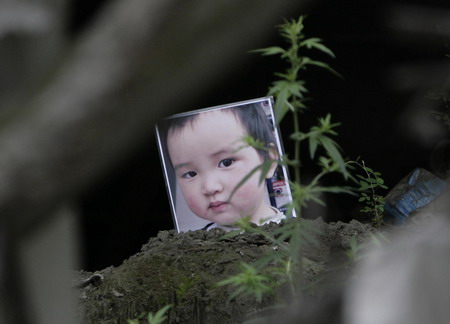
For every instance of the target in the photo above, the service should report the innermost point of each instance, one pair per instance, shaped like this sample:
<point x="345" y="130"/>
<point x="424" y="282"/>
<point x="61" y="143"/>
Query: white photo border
<point x="278" y="195"/>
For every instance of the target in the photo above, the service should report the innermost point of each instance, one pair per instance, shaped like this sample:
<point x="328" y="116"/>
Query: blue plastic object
<point x="416" y="190"/>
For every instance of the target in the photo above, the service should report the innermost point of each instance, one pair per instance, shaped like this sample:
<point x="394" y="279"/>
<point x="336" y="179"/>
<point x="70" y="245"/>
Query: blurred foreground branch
<point x="137" y="62"/>
<point x="69" y="112"/>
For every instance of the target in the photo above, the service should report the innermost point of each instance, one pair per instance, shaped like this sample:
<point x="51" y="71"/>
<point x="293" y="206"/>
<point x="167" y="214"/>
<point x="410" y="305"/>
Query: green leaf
<point x="316" y="199"/>
<point x="292" y="88"/>
<point x="308" y="61"/>
<point x="248" y="282"/>
<point x="244" y="180"/>
<point x="281" y="106"/>
<point x="231" y="234"/>
<point x="298" y="136"/>
<point x="274" y="50"/>
<point x="313" y="143"/>
<point x="285" y="233"/>
<point x="332" y="149"/>
<point x="264" y="168"/>
<point x="316" y="43"/>
<point x="159" y="317"/>
<point x="336" y="190"/>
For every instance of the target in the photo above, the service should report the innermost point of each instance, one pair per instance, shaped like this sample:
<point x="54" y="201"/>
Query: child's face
<point x="209" y="164"/>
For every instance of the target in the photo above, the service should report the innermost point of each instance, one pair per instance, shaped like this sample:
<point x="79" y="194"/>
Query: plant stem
<point x="374" y="199"/>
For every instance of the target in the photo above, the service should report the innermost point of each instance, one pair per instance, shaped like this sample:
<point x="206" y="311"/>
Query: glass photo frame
<point x="206" y="139"/>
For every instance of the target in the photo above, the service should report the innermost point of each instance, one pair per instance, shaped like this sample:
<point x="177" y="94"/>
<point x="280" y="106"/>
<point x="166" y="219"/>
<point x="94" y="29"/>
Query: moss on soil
<point x="183" y="269"/>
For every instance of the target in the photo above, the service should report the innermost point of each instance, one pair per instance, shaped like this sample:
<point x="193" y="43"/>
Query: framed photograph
<point x="220" y="164"/>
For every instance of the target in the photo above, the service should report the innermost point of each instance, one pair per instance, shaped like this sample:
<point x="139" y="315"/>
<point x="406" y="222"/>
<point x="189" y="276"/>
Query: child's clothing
<point x="278" y="217"/>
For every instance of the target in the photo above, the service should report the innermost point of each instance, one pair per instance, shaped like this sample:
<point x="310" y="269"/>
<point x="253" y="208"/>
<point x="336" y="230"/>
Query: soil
<point x="183" y="269"/>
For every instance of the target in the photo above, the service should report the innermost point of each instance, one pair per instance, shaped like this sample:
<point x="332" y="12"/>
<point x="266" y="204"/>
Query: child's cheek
<point x="246" y="193"/>
<point x="193" y="205"/>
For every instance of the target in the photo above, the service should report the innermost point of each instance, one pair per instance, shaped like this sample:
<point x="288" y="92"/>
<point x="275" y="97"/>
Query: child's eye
<point x="225" y="163"/>
<point x="189" y="175"/>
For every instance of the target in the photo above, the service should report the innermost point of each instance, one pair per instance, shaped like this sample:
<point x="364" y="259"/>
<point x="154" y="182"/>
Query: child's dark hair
<point x="252" y="117"/>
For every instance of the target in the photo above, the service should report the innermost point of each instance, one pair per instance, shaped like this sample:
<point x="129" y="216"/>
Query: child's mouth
<point x="218" y="205"/>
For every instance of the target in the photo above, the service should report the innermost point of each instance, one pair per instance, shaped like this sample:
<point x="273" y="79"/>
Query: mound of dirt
<point x="183" y="270"/>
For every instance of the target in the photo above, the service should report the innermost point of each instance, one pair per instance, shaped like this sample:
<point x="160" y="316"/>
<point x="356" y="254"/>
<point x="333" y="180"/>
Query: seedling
<point x="369" y="183"/>
<point x="152" y="318"/>
<point x="284" y="264"/>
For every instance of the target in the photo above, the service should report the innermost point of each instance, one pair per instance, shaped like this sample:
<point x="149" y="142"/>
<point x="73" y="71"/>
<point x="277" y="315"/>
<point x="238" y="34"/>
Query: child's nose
<point x="211" y="186"/>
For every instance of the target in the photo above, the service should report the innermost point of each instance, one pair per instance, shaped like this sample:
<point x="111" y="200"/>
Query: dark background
<point x="389" y="63"/>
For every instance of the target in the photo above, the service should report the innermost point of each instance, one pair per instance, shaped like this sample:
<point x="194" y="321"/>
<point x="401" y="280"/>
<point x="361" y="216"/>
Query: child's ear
<point x="273" y="155"/>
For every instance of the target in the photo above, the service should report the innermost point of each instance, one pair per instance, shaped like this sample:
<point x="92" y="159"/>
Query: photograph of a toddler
<point x="208" y="158"/>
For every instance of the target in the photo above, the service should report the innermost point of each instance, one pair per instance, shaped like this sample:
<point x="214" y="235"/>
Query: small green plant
<point x="354" y="251"/>
<point x="283" y="266"/>
<point x="248" y="282"/>
<point x="369" y="183"/>
<point x="280" y="266"/>
<point x="290" y="96"/>
<point x="186" y="284"/>
<point x="358" y="251"/>
<point x="152" y="318"/>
